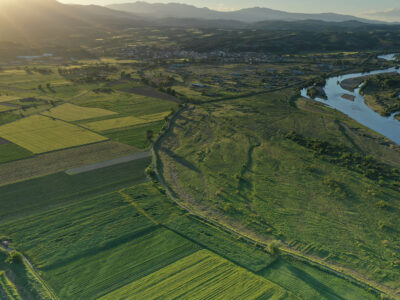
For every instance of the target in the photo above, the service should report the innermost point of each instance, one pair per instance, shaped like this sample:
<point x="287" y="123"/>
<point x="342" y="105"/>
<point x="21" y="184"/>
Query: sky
<point x="380" y="9"/>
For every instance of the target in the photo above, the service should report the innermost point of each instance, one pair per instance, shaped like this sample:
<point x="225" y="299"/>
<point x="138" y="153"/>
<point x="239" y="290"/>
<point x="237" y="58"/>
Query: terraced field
<point x="70" y="112"/>
<point x="40" y="134"/>
<point x="202" y="275"/>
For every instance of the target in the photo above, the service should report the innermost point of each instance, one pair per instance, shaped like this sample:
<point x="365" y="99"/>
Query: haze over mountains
<point x="248" y="15"/>
<point x="30" y="20"/>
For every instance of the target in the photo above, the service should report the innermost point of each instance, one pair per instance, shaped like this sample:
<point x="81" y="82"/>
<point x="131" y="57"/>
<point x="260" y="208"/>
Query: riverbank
<point x="358" y="109"/>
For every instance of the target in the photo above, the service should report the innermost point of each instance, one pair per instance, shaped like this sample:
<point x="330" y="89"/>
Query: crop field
<point x="78" y="230"/>
<point x="310" y="283"/>
<point x="202" y="275"/>
<point x="40" y="134"/>
<point x="93" y="276"/>
<point x="56" y="161"/>
<point x="126" y="104"/>
<point x="245" y="167"/>
<point x="7" y="288"/>
<point x="10" y="152"/>
<point x="43" y="193"/>
<point x="125" y="122"/>
<point x="162" y="209"/>
<point x="135" y="136"/>
<point x="70" y="112"/>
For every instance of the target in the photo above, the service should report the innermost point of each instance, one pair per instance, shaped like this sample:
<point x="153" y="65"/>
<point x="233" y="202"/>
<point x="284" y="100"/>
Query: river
<point x="357" y="109"/>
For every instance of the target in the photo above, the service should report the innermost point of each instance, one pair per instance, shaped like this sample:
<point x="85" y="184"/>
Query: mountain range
<point x="248" y="15"/>
<point x="50" y="20"/>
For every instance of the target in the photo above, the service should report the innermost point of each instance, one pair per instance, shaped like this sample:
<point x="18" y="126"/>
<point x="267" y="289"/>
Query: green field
<point x="202" y="275"/>
<point x="41" y="134"/>
<point x="236" y="164"/>
<point x="37" y="195"/>
<point x="57" y="161"/>
<point x="10" y="152"/>
<point x="308" y="282"/>
<point x="78" y="230"/>
<point x="7" y="288"/>
<point x="93" y="276"/>
<point x="125" y="122"/>
<point x="70" y="112"/>
<point x="135" y="136"/>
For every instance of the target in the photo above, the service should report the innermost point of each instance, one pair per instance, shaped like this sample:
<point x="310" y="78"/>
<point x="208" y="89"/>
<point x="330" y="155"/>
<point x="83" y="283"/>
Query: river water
<point x="357" y="109"/>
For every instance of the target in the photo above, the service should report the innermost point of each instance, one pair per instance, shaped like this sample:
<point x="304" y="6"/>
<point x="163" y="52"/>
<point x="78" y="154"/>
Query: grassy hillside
<point x="238" y="163"/>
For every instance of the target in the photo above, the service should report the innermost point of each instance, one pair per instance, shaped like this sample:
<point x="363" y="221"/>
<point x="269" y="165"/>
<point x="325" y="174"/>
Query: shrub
<point x="15" y="258"/>
<point x="273" y="248"/>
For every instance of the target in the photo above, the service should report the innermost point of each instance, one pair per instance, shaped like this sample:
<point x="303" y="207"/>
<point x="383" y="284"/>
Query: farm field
<point x="308" y="282"/>
<point x="11" y="152"/>
<point x="79" y="229"/>
<point x="124" y="122"/>
<point x="96" y="275"/>
<point x="201" y="275"/>
<point x="57" y="161"/>
<point x="69" y="112"/>
<point x="41" y="134"/>
<point x="43" y="193"/>
<point x="258" y="194"/>
<point x="135" y="136"/>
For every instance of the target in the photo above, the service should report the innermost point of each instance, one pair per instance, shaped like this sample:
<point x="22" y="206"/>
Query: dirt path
<point x="108" y="163"/>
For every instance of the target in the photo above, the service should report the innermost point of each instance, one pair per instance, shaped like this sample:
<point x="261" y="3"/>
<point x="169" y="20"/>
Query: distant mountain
<point x="248" y="15"/>
<point x="30" y="20"/>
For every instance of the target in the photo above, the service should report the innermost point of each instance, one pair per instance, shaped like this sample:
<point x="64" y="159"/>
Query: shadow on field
<point x="180" y="160"/>
<point x="315" y="284"/>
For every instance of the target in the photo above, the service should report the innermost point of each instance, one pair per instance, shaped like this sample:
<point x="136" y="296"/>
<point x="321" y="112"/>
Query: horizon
<point x="385" y="10"/>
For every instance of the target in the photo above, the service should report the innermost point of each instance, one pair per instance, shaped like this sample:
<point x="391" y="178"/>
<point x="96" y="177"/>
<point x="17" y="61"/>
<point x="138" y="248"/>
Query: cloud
<point x="390" y="15"/>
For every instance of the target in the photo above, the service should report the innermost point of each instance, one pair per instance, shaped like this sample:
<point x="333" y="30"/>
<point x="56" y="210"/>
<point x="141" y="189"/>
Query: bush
<point x="273" y="248"/>
<point x="15" y="257"/>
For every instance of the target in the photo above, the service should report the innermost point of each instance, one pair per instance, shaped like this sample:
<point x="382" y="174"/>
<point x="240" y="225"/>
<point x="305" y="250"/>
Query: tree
<point x="150" y="135"/>
<point x="15" y="257"/>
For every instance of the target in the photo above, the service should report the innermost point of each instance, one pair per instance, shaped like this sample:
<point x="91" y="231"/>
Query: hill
<point x="29" y="20"/>
<point x="248" y="15"/>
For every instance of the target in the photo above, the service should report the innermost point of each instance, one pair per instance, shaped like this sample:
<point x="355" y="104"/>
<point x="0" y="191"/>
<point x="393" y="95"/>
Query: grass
<point x="202" y="275"/>
<point x="40" y="194"/>
<point x="70" y="112"/>
<point x="25" y="282"/>
<point x="93" y="276"/>
<point x="40" y="134"/>
<point x="162" y="209"/>
<point x="8" y="288"/>
<point x="126" y="104"/>
<point x="78" y="230"/>
<point x="310" y="283"/>
<point x="10" y="152"/>
<point x="234" y="163"/>
<point x="122" y="122"/>
<point x="57" y="161"/>
<point x="135" y="136"/>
